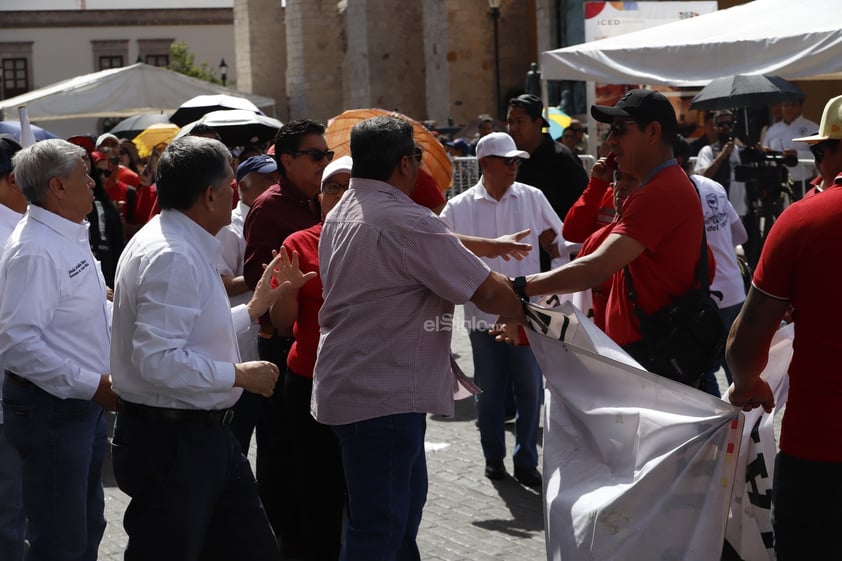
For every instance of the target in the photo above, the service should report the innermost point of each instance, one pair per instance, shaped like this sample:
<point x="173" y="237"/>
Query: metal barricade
<point x="466" y="173"/>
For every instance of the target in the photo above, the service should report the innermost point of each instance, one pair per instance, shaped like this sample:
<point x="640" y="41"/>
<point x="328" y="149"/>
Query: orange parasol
<point x="435" y="160"/>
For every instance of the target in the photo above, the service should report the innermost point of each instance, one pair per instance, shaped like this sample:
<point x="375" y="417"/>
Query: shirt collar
<point x="77" y="231"/>
<point x="482" y="192"/>
<point x="383" y="187"/>
<point x="208" y="245"/>
<point x="9" y="216"/>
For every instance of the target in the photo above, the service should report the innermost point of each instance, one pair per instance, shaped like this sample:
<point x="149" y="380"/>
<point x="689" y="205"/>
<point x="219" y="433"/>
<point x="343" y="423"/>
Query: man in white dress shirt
<point x="54" y="346"/>
<point x="12" y="518"/>
<point x="498" y="204"/>
<point x="177" y="370"/>
<point x="780" y="137"/>
<point x="254" y="175"/>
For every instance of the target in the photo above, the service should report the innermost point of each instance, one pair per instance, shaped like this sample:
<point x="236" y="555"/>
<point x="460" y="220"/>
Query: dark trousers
<point x="317" y="499"/>
<point x="193" y="495"/>
<point x="265" y="418"/>
<point x="805" y="509"/>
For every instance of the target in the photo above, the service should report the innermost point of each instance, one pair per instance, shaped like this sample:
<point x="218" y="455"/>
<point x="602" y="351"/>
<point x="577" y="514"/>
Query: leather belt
<point x="168" y="415"/>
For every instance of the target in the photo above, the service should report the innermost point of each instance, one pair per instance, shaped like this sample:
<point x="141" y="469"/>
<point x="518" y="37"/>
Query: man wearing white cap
<point x="319" y="494"/>
<point x="498" y="204"/>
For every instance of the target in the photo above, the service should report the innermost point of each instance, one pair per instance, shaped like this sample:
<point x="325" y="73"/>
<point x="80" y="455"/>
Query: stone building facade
<point x="430" y="59"/>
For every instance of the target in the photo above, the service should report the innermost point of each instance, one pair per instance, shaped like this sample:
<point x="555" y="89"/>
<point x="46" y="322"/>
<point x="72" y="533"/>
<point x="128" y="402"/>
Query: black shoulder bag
<point x="684" y="340"/>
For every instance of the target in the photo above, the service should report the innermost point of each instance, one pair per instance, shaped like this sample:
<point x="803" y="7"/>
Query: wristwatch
<point x="519" y="286"/>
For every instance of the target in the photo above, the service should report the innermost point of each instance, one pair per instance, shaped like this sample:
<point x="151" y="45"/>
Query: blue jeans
<point x="386" y="476"/>
<point x="61" y="443"/>
<point x="494" y="365"/>
<point x="710" y="384"/>
<point x="12" y="518"/>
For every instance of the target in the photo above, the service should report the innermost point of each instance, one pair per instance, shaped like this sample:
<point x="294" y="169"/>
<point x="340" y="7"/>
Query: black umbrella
<point x="136" y="124"/>
<point x="743" y="90"/>
<point x="237" y="127"/>
<point x="195" y="108"/>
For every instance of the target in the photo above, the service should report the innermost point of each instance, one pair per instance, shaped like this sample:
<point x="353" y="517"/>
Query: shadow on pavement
<point x="526" y="506"/>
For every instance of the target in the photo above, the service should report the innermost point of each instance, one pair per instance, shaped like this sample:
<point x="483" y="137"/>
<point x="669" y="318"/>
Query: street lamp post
<point x="223" y="72"/>
<point x="495" y="17"/>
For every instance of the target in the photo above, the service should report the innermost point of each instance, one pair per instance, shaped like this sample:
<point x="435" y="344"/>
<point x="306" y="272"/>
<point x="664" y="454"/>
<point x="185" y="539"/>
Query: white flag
<point x="750" y="523"/>
<point x="27" y="137"/>
<point x="635" y="466"/>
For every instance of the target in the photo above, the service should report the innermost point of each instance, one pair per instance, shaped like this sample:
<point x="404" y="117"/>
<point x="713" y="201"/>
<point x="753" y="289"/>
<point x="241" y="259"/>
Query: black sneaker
<point x="495" y="470"/>
<point x="528" y="476"/>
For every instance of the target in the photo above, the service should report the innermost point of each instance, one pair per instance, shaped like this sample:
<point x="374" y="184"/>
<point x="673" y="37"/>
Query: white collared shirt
<point x="779" y="137"/>
<point x="53" y="311"/>
<point x="174" y="331"/>
<point x="8" y="220"/>
<point x="476" y="213"/>
<point x="231" y="264"/>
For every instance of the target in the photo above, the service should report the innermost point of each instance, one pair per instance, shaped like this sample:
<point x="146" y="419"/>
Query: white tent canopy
<point x="793" y="40"/>
<point x="120" y="92"/>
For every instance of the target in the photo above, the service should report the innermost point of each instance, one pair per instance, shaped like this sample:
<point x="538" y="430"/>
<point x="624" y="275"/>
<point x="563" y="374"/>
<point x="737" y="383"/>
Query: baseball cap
<point x="831" y="126"/>
<point x="106" y="136"/>
<point x="643" y="106"/>
<point x="533" y="106"/>
<point x="260" y="164"/>
<point x="499" y="144"/>
<point x="8" y="148"/>
<point x="84" y="141"/>
<point x="339" y="165"/>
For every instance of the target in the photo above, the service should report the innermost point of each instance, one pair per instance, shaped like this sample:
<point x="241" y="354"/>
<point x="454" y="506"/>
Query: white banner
<point x="635" y="466"/>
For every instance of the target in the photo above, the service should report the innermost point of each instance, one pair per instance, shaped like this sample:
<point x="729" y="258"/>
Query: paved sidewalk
<point x="467" y="517"/>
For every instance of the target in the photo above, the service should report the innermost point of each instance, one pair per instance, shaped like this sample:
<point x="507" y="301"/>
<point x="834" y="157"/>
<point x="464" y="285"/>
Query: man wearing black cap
<point x="12" y="518"/>
<point x="659" y="234"/>
<point x="551" y="166"/>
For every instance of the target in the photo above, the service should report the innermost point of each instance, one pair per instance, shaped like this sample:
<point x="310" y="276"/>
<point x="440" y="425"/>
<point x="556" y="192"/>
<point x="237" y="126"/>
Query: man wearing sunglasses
<point x="496" y="205"/>
<point x="718" y="161"/>
<point x="290" y="205"/>
<point x="825" y="146"/>
<point x="659" y="233"/>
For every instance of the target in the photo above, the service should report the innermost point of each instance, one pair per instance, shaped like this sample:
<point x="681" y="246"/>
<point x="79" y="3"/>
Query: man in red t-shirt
<point x="659" y="233"/>
<point x="799" y="267"/>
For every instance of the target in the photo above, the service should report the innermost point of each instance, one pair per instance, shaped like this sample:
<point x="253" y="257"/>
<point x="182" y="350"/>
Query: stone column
<point x="260" y="46"/>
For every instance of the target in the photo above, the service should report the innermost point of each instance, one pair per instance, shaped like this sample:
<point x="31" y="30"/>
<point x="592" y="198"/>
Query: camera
<point x="764" y="170"/>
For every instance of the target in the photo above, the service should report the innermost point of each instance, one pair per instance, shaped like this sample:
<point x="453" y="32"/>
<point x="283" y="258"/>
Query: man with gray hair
<point x="178" y="372"/>
<point x="54" y="340"/>
<point x="391" y="272"/>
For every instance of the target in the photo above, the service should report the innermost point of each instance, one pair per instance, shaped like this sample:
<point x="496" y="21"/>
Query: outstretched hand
<point x="281" y="274"/>
<point x="509" y="246"/>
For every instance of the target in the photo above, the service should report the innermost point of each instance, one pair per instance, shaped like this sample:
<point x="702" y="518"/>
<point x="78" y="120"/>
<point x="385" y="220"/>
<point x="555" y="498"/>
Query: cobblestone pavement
<point x="467" y="517"/>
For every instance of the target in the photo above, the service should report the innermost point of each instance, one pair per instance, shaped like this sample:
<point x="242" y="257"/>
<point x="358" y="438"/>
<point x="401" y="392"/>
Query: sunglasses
<point x="103" y="171"/>
<point x="334" y="188"/>
<point x="618" y="128"/>
<point x="819" y="149"/>
<point x="315" y="155"/>
<point x="729" y="124"/>
<point x="418" y="154"/>
<point x="509" y="162"/>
